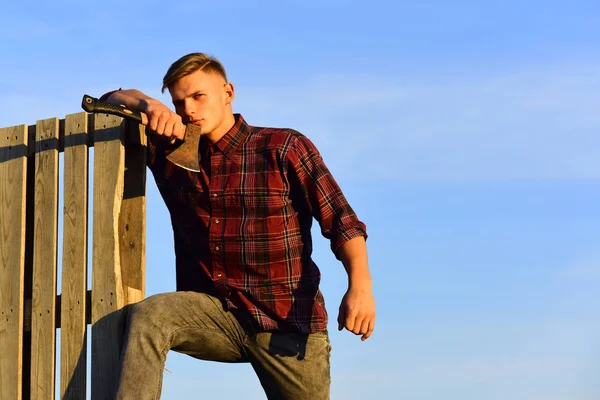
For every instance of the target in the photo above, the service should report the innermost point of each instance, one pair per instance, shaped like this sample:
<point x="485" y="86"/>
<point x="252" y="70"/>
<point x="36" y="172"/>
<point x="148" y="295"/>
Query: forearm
<point x="353" y="255"/>
<point x="131" y="98"/>
<point x="357" y="310"/>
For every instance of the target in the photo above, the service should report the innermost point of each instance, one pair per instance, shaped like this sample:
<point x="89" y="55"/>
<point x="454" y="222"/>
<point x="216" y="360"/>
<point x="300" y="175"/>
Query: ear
<point x="229" y="91"/>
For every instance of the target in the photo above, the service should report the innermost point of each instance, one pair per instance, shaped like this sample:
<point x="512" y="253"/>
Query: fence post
<point x="118" y="245"/>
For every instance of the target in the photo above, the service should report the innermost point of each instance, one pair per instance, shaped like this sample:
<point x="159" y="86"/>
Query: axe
<point x="185" y="156"/>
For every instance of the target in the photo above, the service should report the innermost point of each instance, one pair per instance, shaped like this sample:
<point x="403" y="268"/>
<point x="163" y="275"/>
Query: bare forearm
<point x="155" y="114"/>
<point x="353" y="255"/>
<point x="357" y="310"/>
<point x="131" y="98"/>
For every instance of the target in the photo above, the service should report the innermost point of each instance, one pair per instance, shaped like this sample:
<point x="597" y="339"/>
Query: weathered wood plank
<point x="43" y="331"/>
<point x="13" y="178"/>
<point x="132" y="220"/>
<point x="107" y="288"/>
<point x="73" y="337"/>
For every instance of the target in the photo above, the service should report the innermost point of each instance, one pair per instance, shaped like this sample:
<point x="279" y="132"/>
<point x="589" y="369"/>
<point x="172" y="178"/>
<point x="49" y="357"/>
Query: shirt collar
<point x="234" y="137"/>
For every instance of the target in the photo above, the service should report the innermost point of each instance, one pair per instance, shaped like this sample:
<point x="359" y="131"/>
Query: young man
<point x="247" y="287"/>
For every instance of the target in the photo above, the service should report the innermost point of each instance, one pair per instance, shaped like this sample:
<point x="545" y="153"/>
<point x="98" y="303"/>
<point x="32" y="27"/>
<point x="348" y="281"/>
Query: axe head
<point x="186" y="155"/>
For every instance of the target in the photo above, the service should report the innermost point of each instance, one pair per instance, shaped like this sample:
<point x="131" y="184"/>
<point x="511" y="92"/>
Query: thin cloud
<point x="479" y="359"/>
<point x="530" y="125"/>
<point x="584" y="269"/>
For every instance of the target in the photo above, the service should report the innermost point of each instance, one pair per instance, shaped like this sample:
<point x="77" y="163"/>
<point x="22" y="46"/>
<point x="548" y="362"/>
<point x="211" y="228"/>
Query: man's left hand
<point x="357" y="312"/>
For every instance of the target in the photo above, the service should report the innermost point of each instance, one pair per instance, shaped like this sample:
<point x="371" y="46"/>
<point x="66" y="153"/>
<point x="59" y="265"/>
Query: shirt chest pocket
<point x="257" y="202"/>
<point x="257" y="193"/>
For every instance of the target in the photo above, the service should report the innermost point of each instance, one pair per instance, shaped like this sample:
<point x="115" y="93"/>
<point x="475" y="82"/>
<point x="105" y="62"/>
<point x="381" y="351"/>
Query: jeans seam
<point x="231" y="324"/>
<point x="165" y="349"/>
<point x="174" y="331"/>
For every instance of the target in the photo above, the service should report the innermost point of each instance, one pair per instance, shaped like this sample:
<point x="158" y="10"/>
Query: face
<point x="204" y="99"/>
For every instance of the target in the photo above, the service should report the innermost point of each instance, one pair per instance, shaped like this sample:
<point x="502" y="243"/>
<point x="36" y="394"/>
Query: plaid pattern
<point x="242" y="224"/>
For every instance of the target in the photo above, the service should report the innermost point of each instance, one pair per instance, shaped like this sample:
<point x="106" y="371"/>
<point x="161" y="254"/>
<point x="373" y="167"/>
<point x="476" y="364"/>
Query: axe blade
<point x="186" y="155"/>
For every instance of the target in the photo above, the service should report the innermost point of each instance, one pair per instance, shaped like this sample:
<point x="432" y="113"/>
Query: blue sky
<point x="464" y="134"/>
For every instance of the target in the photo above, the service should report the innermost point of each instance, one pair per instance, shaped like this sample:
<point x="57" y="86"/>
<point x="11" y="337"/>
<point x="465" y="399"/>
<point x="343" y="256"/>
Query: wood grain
<point x="13" y="178"/>
<point x="43" y="331"/>
<point x="132" y="219"/>
<point x="73" y="325"/>
<point x="107" y="288"/>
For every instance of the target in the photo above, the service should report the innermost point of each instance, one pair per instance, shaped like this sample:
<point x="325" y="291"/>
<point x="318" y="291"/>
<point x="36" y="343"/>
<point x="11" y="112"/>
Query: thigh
<point x="291" y="366"/>
<point x="190" y="323"/>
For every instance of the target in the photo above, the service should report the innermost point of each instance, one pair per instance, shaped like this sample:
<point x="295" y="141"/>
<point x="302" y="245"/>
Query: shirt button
<point x="215" y="195"/>
<point x="217" y="221"/>
<point x="219" y="275"/>
<point x="217" y="248"/>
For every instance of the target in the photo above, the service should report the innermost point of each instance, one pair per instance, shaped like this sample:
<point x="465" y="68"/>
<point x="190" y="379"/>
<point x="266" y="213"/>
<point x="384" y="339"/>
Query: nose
<point x="189" y="108"/>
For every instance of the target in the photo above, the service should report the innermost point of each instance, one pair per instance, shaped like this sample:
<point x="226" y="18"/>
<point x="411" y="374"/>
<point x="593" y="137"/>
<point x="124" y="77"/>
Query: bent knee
<point x="151" y="310"/>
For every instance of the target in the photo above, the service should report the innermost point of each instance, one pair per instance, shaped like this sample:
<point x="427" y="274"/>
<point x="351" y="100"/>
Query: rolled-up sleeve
<point x="322" y="194"/>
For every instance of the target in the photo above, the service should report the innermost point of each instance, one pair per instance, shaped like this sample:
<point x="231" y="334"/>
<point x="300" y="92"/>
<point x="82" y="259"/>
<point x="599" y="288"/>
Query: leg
<point x="188" y="322"/>
<point x="291" y="366"/>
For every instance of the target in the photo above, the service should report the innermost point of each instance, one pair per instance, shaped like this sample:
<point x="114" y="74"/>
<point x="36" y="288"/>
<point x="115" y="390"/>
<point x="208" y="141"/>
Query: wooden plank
<point x="43" y="331"/>
<point x="13" y="178"/>
<point x="107" y="288"/>
<point x="132" y="219"/>
<point x="73" y="337"/>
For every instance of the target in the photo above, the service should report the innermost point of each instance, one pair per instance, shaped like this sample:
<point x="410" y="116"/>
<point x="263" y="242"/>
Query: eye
<point x="197" y="96"/>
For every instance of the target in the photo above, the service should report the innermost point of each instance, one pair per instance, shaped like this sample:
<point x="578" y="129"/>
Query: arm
<point x="157" y="116"/>
<point x="130" y="98"/>
<point x="357" y="310"/>
<point x="345" y="231"/>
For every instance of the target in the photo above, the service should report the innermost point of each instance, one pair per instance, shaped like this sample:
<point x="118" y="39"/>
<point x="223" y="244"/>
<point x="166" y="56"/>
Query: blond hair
<point x="191" y="63"/>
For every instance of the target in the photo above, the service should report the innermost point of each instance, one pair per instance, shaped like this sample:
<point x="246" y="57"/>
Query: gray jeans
<point x="289" y="366"/>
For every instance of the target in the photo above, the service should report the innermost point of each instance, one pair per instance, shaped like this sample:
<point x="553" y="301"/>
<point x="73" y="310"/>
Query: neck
<point x="222" y="129"/>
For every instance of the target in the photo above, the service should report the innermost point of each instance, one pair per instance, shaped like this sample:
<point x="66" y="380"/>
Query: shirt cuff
<point x="346" y="233"/>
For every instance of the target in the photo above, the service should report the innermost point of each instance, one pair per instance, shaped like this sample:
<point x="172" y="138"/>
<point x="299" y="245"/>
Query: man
<point x="247" y="287"/>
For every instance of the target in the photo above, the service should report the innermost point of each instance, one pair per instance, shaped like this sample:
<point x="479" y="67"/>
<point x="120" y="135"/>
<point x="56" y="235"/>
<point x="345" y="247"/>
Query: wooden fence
<point x="31" y="310"/>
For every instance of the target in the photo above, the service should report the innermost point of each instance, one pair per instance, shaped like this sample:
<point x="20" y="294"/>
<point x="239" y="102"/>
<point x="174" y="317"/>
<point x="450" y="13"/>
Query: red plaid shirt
<point x="242" y="224"/>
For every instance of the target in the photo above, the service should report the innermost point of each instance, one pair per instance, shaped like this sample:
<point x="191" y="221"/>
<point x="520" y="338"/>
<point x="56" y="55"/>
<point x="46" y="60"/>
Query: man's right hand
<point x="158" y="117"/>
<point x="163" y="121"/>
